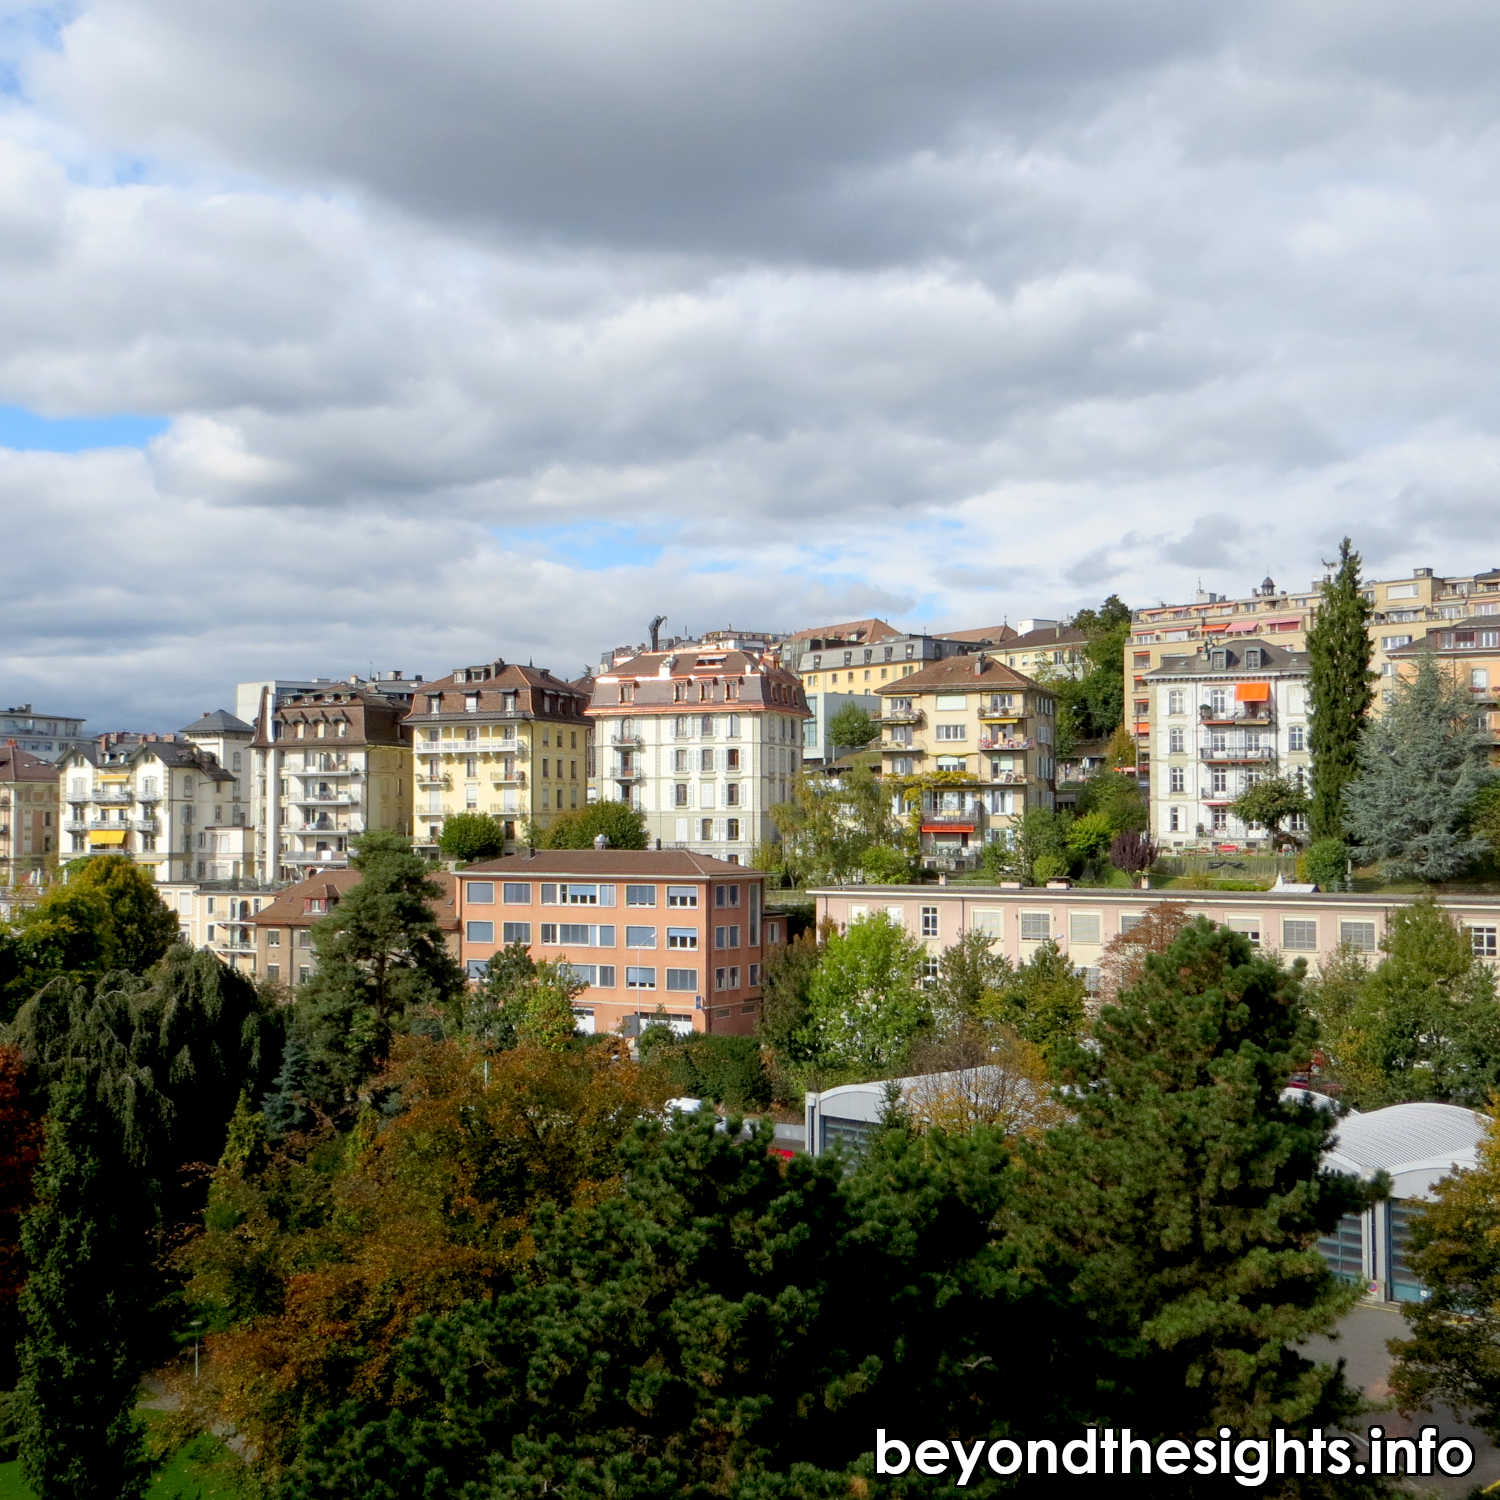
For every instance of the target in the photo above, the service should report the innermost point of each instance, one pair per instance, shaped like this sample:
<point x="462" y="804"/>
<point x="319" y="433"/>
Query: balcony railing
<point x="113" y="796"/>
<point x="902" y="747"/>
<point x="1247" y="713"/>
<point x="995" y="712"/>
<point x="75" y="825"/>
<point x="1232" y="753"/>
<point x="144" y="825"/>
<point x="502" y="777"/>
<point x="235" y="947"/>
<point x="628" y="773"/>
<point x="332" y="770"/>
<point x="954" y="815"/>
<point x="426" y="778"/>
<point x="108" y="823"/>
<point x="317" y="857"/>
<point x="324" y="799"/>
<point x="1005" y="742"/>
<point x="901" y="716"/>
<point x="625" y="739"/>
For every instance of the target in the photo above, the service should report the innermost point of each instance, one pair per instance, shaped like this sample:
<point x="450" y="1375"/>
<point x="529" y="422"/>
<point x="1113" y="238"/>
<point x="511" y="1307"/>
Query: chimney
<point x="979" y="666"/>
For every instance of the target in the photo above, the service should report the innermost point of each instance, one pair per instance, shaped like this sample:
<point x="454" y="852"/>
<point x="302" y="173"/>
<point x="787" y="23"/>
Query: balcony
<point x="328" y="770"/>
<point x="150" y="797"/>
<point x="1005" y="742"/>
<point x="108" y="823"/>
<point x="901" y="747"/>
<point x="501" y="776"/>
<point x="144" y="825"/>
<point x="1238" y="754"/>
<point x="625" y="739"/>
<point x="75" y="825"/>
<point x="997" y="713"/>
<point x="320" y="827"/>
<point x="323" y="799"/>
<point x="628" y="773"/>
<point x="234" y="947"/>
<point x="901" y="716"/>
<point x="1009" y="778"/>
<point x="317" y="857"/>
<point x="1245" y="713"/>
<point x="957" y="818"/>
<point x="433" y="779"/>
<point x="113" y="796"/>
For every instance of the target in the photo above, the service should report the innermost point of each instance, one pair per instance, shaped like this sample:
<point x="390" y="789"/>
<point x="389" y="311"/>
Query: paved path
<point x="1360" y="1342"/>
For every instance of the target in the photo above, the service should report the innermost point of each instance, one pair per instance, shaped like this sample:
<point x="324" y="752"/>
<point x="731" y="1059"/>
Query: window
<point x="1176" y="779"/>
<point x="682" y="895"/>
<point x="273" y="937"/>
<point x="479" y="932"/>
<point x="706" y="760"/>
<point x="1299" y="935"/>
<point x="639" y="978"/>
<point x="479" y="892"/>
<point x="1174" y="701"/>
<point x="1175" y="743"/>
<point x="732" y="834"/>
<point x="1084" y="927"/>
<point x="1358" y="935"/>
<point x="948" y="702"/>
<point x="705" y="724"/>
<point x="1479" y="678"/>
<point x="682" y="979"/>
<point x="640" y="895"/>
<point x="679" y="794"/>
<point x="515" y="932"/>
<point x="1482" y="941"/>
<point x="732" y="760"/>
<point x="640" y="937"/>
<point x="705" y="828"/>
<point x="754" y="976"/>
<point x="1296" y="738"/>
<point x="304" y="937"/>
<point x="1130" y="920"/>
<point x="1036" y="926"/>
<point x="682" y="937"/>
<point x="950" y="731"/>
<point x="516" y="893"/>
<point x="732" y="794"/>
<point x="1248" y="927"/>
<point x="929" y="921"/>
<point x="727" y="937"/>
<point x="726" y="895"/>
<point x="273" y="973"/>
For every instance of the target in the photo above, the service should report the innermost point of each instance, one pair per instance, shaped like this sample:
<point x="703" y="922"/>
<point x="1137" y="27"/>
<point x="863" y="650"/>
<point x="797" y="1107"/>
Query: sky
<point x="364" y="334"/>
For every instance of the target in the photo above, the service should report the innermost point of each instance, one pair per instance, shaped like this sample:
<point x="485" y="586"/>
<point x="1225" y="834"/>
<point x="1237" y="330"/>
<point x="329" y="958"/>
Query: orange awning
<point x="1253" y="692"/>
<point x="1222" y="625"/>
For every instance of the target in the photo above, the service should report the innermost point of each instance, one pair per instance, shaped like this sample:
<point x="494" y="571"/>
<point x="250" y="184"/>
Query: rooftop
<point x="957" y="673"/>
<point x="218" y="721"/>
<point x="643" y="864"/>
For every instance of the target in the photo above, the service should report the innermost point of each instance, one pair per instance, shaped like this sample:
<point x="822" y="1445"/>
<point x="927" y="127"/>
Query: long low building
<point x="1083" y="922"/>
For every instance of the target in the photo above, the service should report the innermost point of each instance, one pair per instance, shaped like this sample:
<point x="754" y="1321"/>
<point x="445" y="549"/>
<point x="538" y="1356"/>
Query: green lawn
<point x="201" y="1469"/>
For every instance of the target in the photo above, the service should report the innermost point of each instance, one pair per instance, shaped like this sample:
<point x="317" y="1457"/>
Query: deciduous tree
<point x="1270" y="802"/>
<point x="469" y="836"/>
<point x="621" y="824"/>
<point x="851" y="728"/>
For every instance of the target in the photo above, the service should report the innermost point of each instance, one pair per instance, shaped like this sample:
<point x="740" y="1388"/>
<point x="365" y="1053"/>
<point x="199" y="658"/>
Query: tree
<point x="830" y="826"/>
<point x="1422" y="1024"/>
<point x="621" y="824"/>
<point x="20" y="1147"/>
<point x="865" y="1002"/>
<point x="982" y="1076"/>
<point x="725" y="1070"/>
<point x="1339" y="690"/>
<point x="1270" y="803"/>
<point x="782" y="1029"/>
<point x="1042" y="1000"/>
<point x="851" y="728"/>
<point x="1133" y="851"/>
<point x="1484" y="816"/>
<point x="79" y="1355"/>
<point x="1120" y="752"/>
<point x="1089" y="838"/>
<point x="1422" y="764"/>
<point x="1035" y="850"/>
<point x="1117" y="797"/>
<point x="1326" y="863"/>
<point x="1123" y="963"/>
<point x="470" y="836"/>
<point x="1453" y="1354"/>
<point x="1185" y="1195"/>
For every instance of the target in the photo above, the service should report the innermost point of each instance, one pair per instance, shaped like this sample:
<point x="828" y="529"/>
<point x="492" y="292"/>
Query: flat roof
<point x="1135" y="898"/>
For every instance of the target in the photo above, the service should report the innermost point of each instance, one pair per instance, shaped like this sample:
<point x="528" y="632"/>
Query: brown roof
<point x="493" y="679"/>
<point x="863" y="631"/>
<point x="1048" y="635"/>
<point x="641" y="864"/>
<point x="958" y="672"/>
<point x="21" y="765"/>
<point x="374" y="718"/>
<point x="984" y="635"/>
<point x="289" y="907"/>
<point x="1431" y="640"/>
<point x="759" y="684"/>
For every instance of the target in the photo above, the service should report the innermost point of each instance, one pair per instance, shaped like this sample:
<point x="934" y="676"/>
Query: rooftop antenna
<point x="655" y="629"/>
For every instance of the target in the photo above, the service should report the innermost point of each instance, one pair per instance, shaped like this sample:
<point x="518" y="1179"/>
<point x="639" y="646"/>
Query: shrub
<point x="1325" y="862"/>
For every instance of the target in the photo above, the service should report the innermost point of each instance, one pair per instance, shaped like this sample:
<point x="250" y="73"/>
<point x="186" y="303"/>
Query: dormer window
<point x="434" y="703"/>
<point x="509" y="701"/>
<point x="471" y="703"/>
<point x="1252" y="658"/>
<point x="1219" y="660"/>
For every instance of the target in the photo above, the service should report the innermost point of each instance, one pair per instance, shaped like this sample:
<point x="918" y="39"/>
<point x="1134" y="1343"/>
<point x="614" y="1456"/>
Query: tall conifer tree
<point x="1338" y="647"/>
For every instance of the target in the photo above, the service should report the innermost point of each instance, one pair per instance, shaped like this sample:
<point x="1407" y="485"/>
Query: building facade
<point x="654" y="935"/>
<point x="507" y="741"/>
<point x="977" y="736"/>
<point x="703" y="743"/>
<point x="1469" y="649"/>
<point x="1229" y="715"/>
<point x="46" y="736"/>
<point x="329" y="764"/>
<point x="29" y="824"/>
<point x="159" y="799"/>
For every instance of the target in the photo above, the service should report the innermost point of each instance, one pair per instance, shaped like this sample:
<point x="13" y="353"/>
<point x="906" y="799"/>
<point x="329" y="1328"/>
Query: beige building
<point x="1083" y="922"/>
<point x="507" y="741"/>
<point x="29" y="828"/>
<point x="1047" y="649"/>
<point x="704" y="743"/>
<point x="162" y="800"/>
<point x="979" y="735"/>
<point x="330" y="763"/>
<point x="1468" y="648"/>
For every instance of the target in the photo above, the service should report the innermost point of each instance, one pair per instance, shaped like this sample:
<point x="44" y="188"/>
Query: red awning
<point x="1253" y="692"/>
<point x="1244" y="627"/>
<point x="1281" y="622"/>
<point x="947" y="828"/>
<point x="1220" y="626"/>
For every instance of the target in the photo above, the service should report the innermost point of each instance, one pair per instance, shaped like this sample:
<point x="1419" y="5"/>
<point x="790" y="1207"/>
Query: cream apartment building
<point x="705" y="743"/>
<point x="980" y="736"/>
<point x="1229" y="715"/>
<point x="507" y="741"/>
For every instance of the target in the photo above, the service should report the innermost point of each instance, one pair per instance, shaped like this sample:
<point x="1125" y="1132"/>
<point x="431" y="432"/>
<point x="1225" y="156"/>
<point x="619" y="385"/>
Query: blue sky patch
<point x="25" y="431"/>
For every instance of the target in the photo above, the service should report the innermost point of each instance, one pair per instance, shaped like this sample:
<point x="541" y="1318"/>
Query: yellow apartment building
<point x="507" y="741"/>
<point x="978" y="737"/>
<point x="1470" y="649"/>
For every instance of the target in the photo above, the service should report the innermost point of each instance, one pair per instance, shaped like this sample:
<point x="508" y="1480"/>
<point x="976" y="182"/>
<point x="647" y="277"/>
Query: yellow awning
<point x="107" y="835"/>
<point x="114" y="776"/>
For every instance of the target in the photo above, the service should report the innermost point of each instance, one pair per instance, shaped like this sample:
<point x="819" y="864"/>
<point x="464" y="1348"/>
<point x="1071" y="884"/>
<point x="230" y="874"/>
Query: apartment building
<point x="508" y="741"/>
<point x="1470" y="649"/>
<point x="1045" y="648"/>
<point x="704" y="743"/>
<point x="46" y="736"/>
<point x="1083" y="922"/>
<point x="329" y="763"/>
<point x="1404" y="609"/>
<point x="655" y="935"/>
<point x="214" y="914"/>
<point x="847" y="664"/>
<point x="278" y="930"/>
<point x="980" y="734"/>
<point x="1229" y="715"/>
<point x="161" y="799"/>
<point x="29" y="825"/>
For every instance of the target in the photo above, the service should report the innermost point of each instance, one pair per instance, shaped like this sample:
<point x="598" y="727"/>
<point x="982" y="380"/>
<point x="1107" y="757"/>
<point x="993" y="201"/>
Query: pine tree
<point x="82" y="1312"/>
<point x="1422" y="765"/>
<point x="1184" y="1198"/>
<point x="1339" y="687"/>
<point x="20" y="1146"/>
